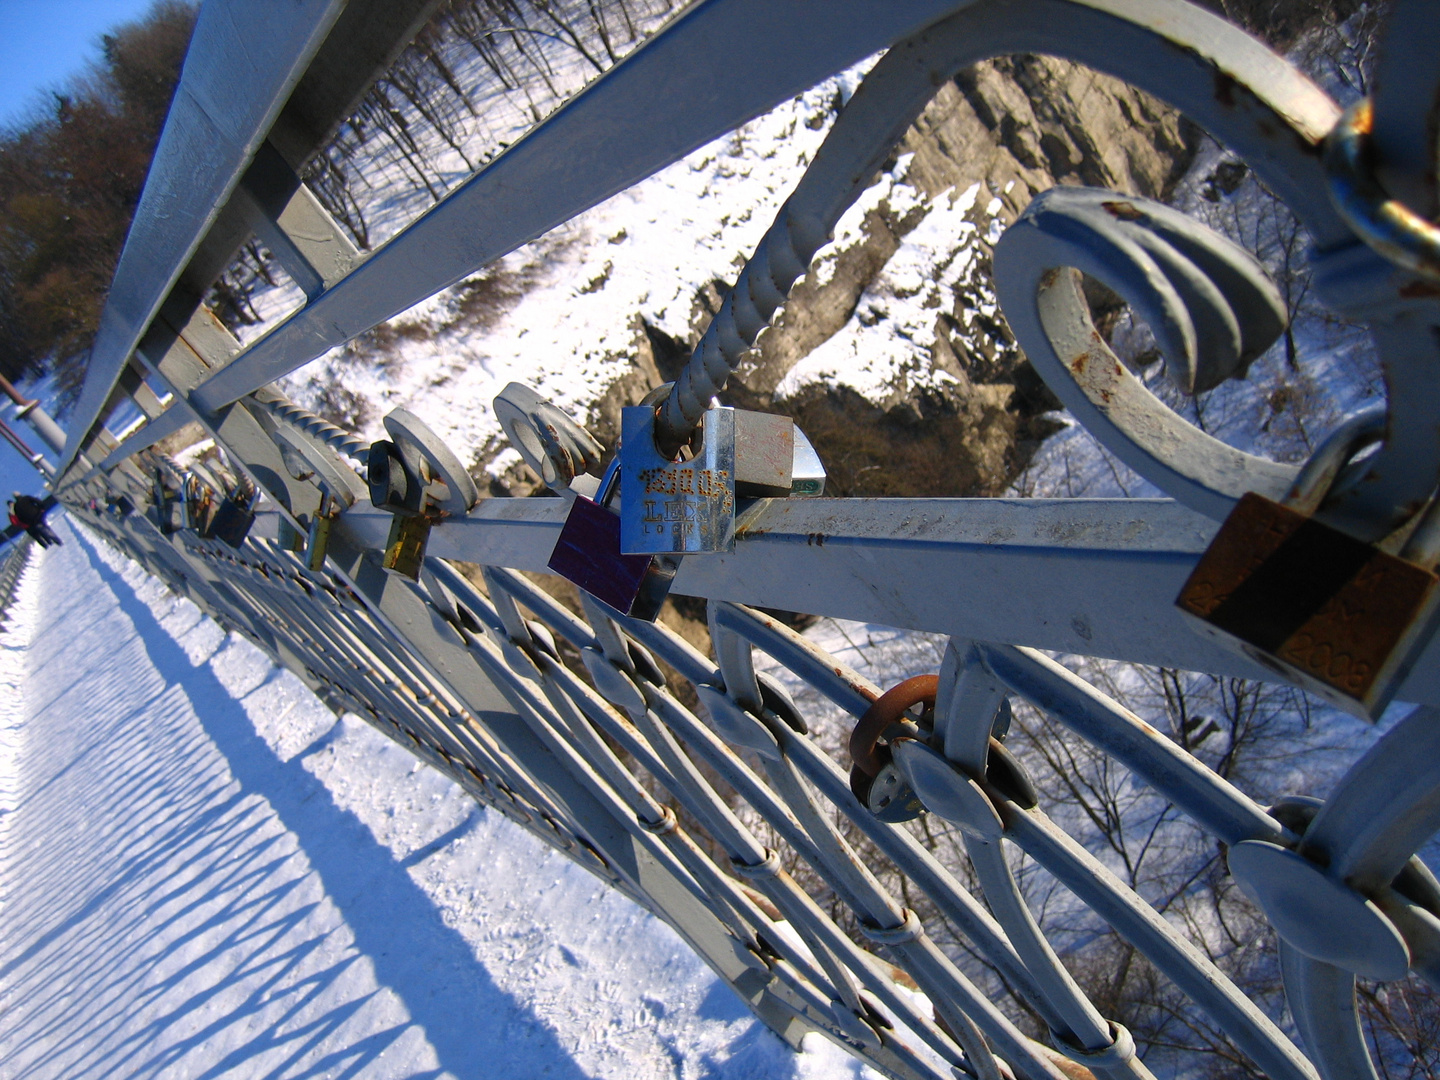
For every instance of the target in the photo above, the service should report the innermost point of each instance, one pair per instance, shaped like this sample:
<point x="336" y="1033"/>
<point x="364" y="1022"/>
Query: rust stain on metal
<point x="885" y="710"/>
<point x="1330" y="612"/>
<point x="1124" y="211"/>
<point x="863" y="691"/>
<point x="1077" y="365"/>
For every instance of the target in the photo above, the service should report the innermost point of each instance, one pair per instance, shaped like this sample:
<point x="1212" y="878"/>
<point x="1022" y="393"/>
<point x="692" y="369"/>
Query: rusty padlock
<point x="875" y="780"/>
<point x="1343" y="619"/>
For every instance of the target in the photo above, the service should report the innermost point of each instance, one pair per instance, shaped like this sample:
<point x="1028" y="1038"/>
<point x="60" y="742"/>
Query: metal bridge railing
<point x="11" y="568"/>
<point x="696" y="784"/>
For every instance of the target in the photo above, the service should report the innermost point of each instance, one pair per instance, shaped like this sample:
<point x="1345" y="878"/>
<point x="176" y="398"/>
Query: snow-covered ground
<point x="559" y="314"/>
<point x="204" y="873"/>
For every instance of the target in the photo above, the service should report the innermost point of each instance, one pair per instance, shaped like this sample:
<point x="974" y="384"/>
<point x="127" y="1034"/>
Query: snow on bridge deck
<point x="203" y="873"/>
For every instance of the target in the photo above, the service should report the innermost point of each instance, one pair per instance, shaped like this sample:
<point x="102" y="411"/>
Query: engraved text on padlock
<point x="673" y="507"/>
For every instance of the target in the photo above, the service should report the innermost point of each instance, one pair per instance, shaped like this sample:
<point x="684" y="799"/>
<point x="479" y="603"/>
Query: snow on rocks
<point x="205" y="873"/>
<point x="560" y="314"/>
<point x="889" y="344"/>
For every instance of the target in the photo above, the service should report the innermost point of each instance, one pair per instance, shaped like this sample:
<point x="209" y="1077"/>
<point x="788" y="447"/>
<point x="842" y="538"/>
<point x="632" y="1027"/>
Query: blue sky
<point x="42" y="42"/>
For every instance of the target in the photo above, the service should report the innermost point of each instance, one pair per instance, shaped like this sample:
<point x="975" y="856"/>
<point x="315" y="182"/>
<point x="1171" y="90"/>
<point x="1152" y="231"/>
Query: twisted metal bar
<point x="333" y="436"/>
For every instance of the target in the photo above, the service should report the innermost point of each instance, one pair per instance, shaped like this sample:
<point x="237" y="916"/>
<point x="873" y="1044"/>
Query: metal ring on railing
<point x="666" y="824"/>
<point x="887" y="709"/>
<point x="769" y="866"/>
<point x="1120" y="1050"/>
<point x="910" y="929"/>
<point x="1387" y="225"/>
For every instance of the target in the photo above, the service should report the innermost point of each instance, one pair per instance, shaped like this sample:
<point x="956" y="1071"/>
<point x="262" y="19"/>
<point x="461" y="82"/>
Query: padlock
<point x="764" y="454"/>
<point x="677" y="507"/>
<point x="405" y="546"/>
<point x="317" y="541"/>
<point x="195" y="504"/>
<point x="588" y="554"/>
<point x="233" y="518"/>
<point x="807" y="474"/>
<point x="169" y="509"/>
<point x="385" y="477"/>
<point x="774" y="459"/>
<point x="1341" y="618"/>
<point x="421" y="482"/>
<point x="399" y="489"/>
<point x="875" y="780"/>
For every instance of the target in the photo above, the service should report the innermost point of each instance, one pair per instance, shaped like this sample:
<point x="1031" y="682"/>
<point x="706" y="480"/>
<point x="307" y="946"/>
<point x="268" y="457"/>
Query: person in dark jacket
<point x="28" y="513"/>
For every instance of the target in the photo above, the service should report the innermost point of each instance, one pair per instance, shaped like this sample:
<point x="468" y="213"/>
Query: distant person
<point x="28" y="513"/>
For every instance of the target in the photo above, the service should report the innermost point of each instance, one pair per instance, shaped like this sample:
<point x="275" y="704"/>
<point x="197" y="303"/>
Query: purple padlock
<point x="588" y="554"/>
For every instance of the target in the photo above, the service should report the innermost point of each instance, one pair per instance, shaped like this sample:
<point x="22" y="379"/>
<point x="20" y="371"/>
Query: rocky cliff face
<point x="892" y="352"/>
<point x="964" y="413"/>
<point x="947" y="405"/>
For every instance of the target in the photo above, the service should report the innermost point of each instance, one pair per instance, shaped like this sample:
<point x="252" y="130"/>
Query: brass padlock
<point x="418" y="479"/>
<point x="1339" y="617"/>
<point x="317" y="540"/>
<point x="405" y="546"/>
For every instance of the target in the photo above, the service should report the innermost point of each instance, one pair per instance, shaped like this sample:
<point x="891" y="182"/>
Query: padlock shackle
<point x="609" y="482"/>
<point x="885" y="710"/>
<point x="1423" y="546"/>
<point x="1318" y="476"/>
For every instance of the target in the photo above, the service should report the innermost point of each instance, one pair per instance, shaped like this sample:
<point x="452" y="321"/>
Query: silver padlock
<point x="764" y="454"/>
<point x="677" y="507"/>
<point x="807" y="474"/>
